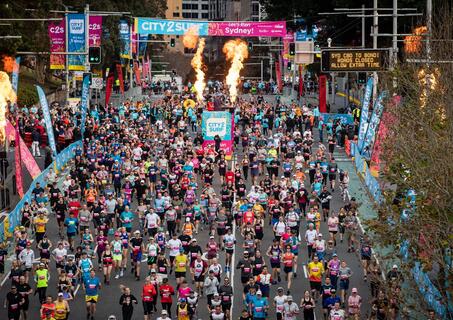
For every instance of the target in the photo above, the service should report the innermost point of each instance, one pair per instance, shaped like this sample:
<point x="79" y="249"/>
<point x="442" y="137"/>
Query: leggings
<point x="167" y="306"/>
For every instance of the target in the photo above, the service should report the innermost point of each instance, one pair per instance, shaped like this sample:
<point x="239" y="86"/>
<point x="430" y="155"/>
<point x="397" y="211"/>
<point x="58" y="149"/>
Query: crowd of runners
<point x="142" y="189"/>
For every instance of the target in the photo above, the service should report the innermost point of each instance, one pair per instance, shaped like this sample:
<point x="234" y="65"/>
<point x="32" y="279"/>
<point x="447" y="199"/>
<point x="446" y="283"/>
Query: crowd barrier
<point x="13" y="220"/>
<point x="429" y="291"/>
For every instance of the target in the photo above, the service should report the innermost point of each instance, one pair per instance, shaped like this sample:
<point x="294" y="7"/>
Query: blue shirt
<point x="92" y="286"/>
<point x="127" y="217"/>
<point x="71" y="224"/>
<point x="258" y="308"/>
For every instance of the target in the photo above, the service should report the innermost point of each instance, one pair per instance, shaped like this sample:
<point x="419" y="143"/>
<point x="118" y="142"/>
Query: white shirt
<point x="280" y="228"/>
<point x="310" y="236"/>
<point x="174" y="246"/>
<point x="59" y="253"/>
<point x="152" y="220"/>
<point x="291" y="311"/>
<point x="27" y="257"/>
<point x="279" y="302"/>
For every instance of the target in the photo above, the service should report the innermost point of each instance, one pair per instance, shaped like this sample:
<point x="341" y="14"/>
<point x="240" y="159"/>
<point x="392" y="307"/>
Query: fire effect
<point x="197" y="64"/>
<point x="413" y="42"/>
<point x="236" y="51"/>
<point x="8" y="63"/>
<point x="6" y="94"/>
<point x="190" y="38"/>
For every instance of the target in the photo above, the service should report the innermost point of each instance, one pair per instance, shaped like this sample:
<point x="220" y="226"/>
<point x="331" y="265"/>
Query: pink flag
<point x="27" y="158"/>
<point x="18" y="164"/>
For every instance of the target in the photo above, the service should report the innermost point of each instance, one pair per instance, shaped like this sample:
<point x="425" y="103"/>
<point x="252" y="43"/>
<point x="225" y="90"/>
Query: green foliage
<point x="27" y="95"/>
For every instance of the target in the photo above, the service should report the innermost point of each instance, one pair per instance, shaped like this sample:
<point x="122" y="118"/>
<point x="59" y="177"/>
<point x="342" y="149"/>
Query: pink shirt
<point x="354" y="303"/>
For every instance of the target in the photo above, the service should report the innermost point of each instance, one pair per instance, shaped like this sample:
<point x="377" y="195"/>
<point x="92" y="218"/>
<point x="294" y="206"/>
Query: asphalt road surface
<point x="109" y="295"/>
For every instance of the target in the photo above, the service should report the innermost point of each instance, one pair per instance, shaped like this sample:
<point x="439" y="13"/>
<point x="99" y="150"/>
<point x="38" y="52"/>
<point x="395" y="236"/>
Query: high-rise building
<point x="250" y="10"/>
<point x="233" y="10"/>
<point x="195" y="9"/>
<point x="217" y="10"/>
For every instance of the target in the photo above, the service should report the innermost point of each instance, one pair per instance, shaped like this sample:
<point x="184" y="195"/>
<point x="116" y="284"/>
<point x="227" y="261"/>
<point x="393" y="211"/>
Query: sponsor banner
<point x="15" y="75"/>
<point x="18" y="164"/>
<point x="27" y="158"/>
<point x="76" y="41"/>
<point x="305" y="34"/>
<point x="57" y="37"/>
<point x="287" y="39"/>
<point x="142" y="45"/>
<point x="344" y="118"/>
<point x="169" y="27"/>
<point x="219" y="123"/>
<point x="47" y="119"/>
<point x="364" y="112"/>
<point x="108" y="87"/>
<point x="85" y="102"/>
<point x="125" y="39"/>
<point x="216" y="123"/>
<point x="370" y="135"/>
<point x="95" y="31"/>
<point x="14" y="217"/>
<point x="248" y="29"/>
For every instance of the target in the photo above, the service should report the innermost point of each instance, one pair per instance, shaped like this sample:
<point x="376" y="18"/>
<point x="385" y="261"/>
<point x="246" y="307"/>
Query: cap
<point x="60" y="294"/>
<point x="280" y="289"/>
<point x="319" y="234"/>
<point x="334" y="255"/>
<point x="187" y="219"/>
<point x="354" y="290"/>
<point x="395" y="266"/>
<point x="136" y="231"/>
<point x="117" y="234"/>
<point x="289" y="298"/>
<point x="193" y="240"/>
<point x="259" y="292"/>
<point x="41" y="264"/>
<point x="153" y="270"/>
<point x="246" y="252"/>
<point x="211" y="237"/>
<point x="216" y="294"/>
<point x="164" y="312"/>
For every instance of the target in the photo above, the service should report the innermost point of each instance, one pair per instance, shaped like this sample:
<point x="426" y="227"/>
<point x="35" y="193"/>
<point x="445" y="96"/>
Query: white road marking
<point x="232" y="264"/>
<point x="5" y="278"/>
<point x="305" y="272"/>
<point x="77" y="289"/>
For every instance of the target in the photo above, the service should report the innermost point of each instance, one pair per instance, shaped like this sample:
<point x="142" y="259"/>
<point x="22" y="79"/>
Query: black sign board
<point x="341" y="60"/>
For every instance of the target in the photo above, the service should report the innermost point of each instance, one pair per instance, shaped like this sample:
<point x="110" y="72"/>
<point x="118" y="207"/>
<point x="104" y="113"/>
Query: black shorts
<point x="332" y="177"/>
<point x="275" y="265"/>
<point x="147" y="307"/>
<point x="325" y="205"/>
<point x="200" y="278"/>
<point x="229" y="251"/>
<point x="288" y="269"/>
<point x="180" y="274"/>
<point x="367" y="258"/>
<point x="244" y="280"/>
<point x="314" y="285"/>
<point x="221" y="231"/>
<point x="226" y="307"/>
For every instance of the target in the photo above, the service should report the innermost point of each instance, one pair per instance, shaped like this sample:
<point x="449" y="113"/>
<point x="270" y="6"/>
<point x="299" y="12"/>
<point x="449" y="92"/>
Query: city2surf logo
<point x="77" y="26"/>
<point x="216" y="127"/>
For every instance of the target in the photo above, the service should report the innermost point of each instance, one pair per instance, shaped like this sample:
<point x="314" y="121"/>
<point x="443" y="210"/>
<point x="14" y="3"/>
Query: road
<point x="109" y="295"/>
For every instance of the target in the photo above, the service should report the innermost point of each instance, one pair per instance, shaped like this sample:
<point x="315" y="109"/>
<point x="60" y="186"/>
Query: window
<point x="204" y="15"/>
<point x="195" y="15"/>
<point x="176" y="14"/>
<point x="186" y="6"/>
<point x="204" y="7"/>
<point x="186" y="15"/>
<point x="195" y="6"/>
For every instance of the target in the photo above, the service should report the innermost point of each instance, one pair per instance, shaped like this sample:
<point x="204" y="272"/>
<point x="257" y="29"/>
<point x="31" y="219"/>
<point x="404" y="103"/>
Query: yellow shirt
<point x="40" y="224"/>
<point x="315" y="271"/>
<point x="181" y="263"/>
<point x="60" y="310"/>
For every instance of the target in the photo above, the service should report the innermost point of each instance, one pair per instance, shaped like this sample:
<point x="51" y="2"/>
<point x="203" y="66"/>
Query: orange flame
<point x="191" y="37"/>
<point x="197" y="64"/>
<point x="6" y="94"/>
<point x="413" y="42"/>
<point x="8" y="63"/>
<point x="236" y="51"/>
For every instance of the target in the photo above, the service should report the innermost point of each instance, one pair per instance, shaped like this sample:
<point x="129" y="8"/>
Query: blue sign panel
<point x="169" y="27"/>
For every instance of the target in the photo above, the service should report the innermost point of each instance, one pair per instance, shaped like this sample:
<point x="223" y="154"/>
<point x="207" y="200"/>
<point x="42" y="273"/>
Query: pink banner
<point x="248" y="29"/>
<point x="57" y="44"/>
<point x="95" y="32"/>
<point x="18" y="165"/>
<point x="225" y="145"/>
<point x="27" y="158"/>
<point x="287" y="39"/>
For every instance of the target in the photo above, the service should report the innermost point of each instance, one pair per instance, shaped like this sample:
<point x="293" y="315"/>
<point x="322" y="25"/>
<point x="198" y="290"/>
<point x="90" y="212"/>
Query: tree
<point x="417" y="155"/>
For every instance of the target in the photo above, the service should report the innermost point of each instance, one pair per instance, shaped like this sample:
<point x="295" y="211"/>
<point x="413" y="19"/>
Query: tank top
<point x="107" y="257"/>
<point x="117" y="249"/>
<point x="162" y="266"/>
<point x="60" y="310"/>
<point x="183" y="312"/>
<point x="188" y="229"/>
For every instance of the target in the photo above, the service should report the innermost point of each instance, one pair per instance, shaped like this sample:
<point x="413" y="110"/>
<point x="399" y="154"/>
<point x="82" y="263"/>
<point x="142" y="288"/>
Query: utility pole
<point x="363" y="26"/>
<point x="429" y="27"/>
<point x="87" y="36"/>
<point x="66" y="45"/>
<point x="131" y="68"/>
<point x="375" y="32"/>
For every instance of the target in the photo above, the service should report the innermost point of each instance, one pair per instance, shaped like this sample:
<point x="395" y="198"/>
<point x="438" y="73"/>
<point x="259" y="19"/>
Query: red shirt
<point x="74" y="207"/>
<point x="229" y="176"/>
<point x="148" y="292"/>
<point x="166" y="291"/>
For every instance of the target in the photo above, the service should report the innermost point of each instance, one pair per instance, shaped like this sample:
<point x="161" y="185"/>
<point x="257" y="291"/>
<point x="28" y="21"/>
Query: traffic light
<point x="94" y="55"/>
<point x="250" y="45"/>
<point x="292" y="49"/>
<point x="289" y="65"/>
<point x="172" y="42"/>
<point x="362" y="77"/>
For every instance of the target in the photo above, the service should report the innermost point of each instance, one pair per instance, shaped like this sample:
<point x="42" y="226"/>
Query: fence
<point x="14" y="217"/>
<point x="430" y="293"/>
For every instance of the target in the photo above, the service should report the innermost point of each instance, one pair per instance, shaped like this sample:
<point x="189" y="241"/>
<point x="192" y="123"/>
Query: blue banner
<point x="85" y="100"/>
<point x="306" y="34"/>
<point x="47" y="119"/>
<point x="370" y="135"/>
<point x="216" y="123"/>
<point x="169" y="27"/>
<point x="142" y="45"/>
<point x="125" y="38"/>
<point x="15" y="75"/>
<point x="364" y="112"/>
<point x="76" y="40"/>
<point x="344" y="118"/>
